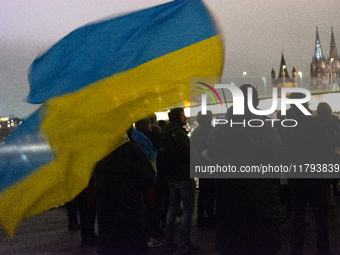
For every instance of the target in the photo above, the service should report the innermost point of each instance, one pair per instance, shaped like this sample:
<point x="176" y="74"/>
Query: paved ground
<point x="47" y="233"/>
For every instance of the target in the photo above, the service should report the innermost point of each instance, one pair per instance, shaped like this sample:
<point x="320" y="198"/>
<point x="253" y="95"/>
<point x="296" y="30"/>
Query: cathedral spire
<point x="318" y="52"/>
<point x="283" y="66"/>
<point x="333" y="52"/>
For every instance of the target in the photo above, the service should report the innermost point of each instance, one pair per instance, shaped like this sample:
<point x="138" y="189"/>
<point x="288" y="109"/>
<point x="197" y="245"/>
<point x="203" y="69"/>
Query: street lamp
<point x="244" y="76"/>
<point x="300" y="74"/>
<point x="265" y="85"/>
<point x="283" y="76"/>
<point x="332" y="59"/>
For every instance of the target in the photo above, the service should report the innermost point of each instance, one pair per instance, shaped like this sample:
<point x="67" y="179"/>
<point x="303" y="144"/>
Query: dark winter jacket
<point x="175" y="153"/>
<point x="199" y="140"/>
<point x="120" y="180"/>
<point x="247" y="210"/>
<point x="331" y="123"/>
<point x="308" y="142"/>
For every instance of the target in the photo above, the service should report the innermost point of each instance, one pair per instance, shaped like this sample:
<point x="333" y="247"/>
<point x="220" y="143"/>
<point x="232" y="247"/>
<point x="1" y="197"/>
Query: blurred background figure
<point x="247" y="210"/>
<point x="161" y="195"/>
<point x="176" y="159"/>
<point x="87" y="214"/>
<point x="162" y="123"/>
<point x="207" y="195"/>
<point x="72" y="214"/>
<point x="332" y="125"/>
<point x="330" y="122"/>
<point x="83" y="204"/>
<point x="307" y="143"/>
<point x="142" y="134"/>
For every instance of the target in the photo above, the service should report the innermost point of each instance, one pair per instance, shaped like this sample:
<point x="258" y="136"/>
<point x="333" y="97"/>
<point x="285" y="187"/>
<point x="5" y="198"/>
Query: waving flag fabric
<point x="94" y="83"/>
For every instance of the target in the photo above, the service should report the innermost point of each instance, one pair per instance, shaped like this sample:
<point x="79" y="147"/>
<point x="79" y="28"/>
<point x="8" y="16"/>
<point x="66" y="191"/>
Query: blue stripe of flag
<point x="101" y="50"/>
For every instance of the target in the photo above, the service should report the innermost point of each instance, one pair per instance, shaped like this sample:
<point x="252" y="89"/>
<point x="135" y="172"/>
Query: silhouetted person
<point x="247" y="210"/>
<point x="87" y="214"/>
<point x="285" y="196"/>
<point x="162" y="123"/>
<point x="72" y="214"/>
<point x="161" y="187"/>
<point x="141" y="135"/>
<point x="120" y="181"/>
<point x="84" y="204"/>
<point x="307" y="143"/>
<point x="332" y="125"/>
<point x="330" y="122"/>
<point x="182" y="188"/>
<point x="207" y="195"/>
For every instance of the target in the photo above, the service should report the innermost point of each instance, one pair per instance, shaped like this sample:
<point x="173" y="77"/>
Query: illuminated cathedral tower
<point x="283" y="80"/>
<point x="324" y="71"/>
<point x="334" y="59"/>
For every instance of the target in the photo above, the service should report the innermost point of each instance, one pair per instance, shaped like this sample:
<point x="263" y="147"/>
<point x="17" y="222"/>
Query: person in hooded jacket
<point x="120" y="180"/>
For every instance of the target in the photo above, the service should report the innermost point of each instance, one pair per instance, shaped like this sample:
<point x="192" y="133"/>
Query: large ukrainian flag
<point x="94" y="84"/>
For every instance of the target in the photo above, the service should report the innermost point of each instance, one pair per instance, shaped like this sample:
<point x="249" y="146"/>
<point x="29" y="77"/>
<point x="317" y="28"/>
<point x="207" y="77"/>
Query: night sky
<point x="255" y="32"/>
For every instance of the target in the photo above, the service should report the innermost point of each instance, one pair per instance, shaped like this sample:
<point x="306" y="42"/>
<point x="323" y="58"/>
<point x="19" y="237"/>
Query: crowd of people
<point x="139" y="190"/>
